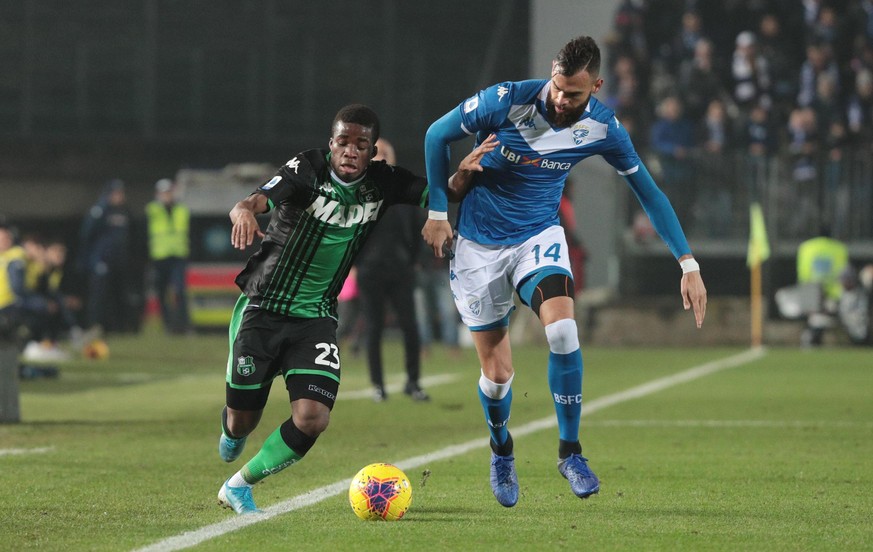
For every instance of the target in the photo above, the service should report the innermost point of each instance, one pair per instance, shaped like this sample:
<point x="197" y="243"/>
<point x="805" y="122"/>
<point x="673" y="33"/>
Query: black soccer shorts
<point x="302" y="350"/>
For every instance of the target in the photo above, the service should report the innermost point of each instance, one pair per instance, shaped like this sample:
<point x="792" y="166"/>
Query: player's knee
<point x="312" y="421"/>
<point x="494" y="390"/>
<point x="242" y="422"/>
<point x="563" y="336"/>
<point x="553" y="285"/>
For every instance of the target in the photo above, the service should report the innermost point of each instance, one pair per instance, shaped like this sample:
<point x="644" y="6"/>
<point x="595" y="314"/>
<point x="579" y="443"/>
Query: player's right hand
<point x="437" y="233"/>
<point x="244" y="230"/>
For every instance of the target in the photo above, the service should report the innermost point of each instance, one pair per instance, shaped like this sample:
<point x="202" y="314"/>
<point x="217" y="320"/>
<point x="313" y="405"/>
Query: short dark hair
<point x="358" y="114"/>
<point x="580" y="54"/>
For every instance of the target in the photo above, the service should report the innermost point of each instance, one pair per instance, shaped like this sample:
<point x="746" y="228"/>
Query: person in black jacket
<point x="386" y="274"/>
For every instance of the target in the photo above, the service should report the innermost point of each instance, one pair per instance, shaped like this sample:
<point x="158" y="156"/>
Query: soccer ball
<point x="96" y="349"/>
<point x="380" y="492"/>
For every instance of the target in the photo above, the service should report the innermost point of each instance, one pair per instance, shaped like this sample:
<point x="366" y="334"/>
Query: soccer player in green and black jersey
<point x="324" y="205"/>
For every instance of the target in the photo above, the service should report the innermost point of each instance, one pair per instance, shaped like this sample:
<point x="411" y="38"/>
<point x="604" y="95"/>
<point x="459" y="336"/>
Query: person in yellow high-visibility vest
<point x="168" y="231"/>
<point x="12" y="268"/>
<point x="822" y="260"/>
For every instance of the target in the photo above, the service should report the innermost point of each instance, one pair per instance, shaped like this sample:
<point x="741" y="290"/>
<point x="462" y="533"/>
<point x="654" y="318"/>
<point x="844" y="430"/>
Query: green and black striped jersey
<point x="317" y="227"/>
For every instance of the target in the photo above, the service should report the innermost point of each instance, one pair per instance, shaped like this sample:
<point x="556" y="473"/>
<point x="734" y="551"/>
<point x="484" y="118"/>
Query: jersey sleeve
<point x="400" y="185"/>
<point x="292" y="177"/>
<point x="659" y="210"/>
<point x="621" y="153"/>
<point x="487" y="109"/>
<point x="480" y="112"/>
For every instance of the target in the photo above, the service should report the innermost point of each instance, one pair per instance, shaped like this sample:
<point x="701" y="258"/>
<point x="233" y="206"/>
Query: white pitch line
<point x="766" y="424"/>
<point x="19" y="451"/>
<point x="427" y="381"/>
<point x="195" y="537"/>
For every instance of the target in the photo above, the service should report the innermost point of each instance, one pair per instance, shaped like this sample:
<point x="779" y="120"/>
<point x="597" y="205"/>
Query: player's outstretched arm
<point x="459" y="183"/>
<point x="692" y="288"/>
<point x="437" y="231"/>
<point x="245" y="225"/>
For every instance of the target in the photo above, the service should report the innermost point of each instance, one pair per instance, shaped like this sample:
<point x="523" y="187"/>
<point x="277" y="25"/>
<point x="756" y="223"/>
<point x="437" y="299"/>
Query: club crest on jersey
<point x="245" y="365"/>
<point x="366" y="193"/>
<point x="580" y="132"/>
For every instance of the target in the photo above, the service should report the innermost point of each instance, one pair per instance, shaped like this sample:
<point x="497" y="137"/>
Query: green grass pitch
<point x="775" y="454"/>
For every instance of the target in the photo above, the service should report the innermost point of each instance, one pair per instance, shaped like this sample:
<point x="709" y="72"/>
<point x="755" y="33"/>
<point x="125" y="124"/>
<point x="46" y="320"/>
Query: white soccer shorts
<point x="484" y="277"/>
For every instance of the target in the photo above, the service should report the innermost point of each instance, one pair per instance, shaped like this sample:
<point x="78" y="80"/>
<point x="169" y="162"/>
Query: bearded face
<point x="563" y="118"/>
<point x="568" y="95"/>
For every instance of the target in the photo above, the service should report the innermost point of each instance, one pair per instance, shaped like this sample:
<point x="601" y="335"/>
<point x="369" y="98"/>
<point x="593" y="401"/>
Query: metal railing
<point x="798" y="193"/>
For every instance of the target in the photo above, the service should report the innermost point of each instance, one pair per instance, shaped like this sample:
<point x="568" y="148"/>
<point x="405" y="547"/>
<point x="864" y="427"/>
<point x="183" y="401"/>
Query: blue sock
<point x="497" y="415"/>
<point x="565" y="383"/>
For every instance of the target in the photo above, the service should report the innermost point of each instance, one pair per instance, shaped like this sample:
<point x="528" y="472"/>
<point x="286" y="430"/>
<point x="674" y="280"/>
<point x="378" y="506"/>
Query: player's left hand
<point x="694" y="295"/>
<point x="437" y="233"/>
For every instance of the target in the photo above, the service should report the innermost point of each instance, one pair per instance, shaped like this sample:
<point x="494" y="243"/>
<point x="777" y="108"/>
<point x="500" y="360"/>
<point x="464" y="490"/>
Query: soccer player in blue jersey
<point x="509" y="239"/>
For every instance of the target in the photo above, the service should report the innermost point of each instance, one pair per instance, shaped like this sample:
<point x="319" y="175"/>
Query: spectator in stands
<point x="386" y="274"/>
<point x="168" y="222"/>
<point x="819" y="61"/>
<point x="860" y="16"/>
<point x="684" y="45"/>
<point x="104" y="254"/>
<point x="628" y="37"/>
<point x="780" y="54"/>
<point x="699" y="84"/>
<point x="798" y="196"/>
<point x="828" y="29"/>
<point x="713" y="210"/>
<point x="859" y="111"/>
<point x="627" y="96"/>
<point x="751" y="74"/>
<point x="672" y="138"/>
<point x="759" y="138"/>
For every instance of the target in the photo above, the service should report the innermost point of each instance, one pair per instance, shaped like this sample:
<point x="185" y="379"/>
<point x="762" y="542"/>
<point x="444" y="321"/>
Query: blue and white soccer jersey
<point x="518" y="194"/>
<point x="483" y="277"/>
<point x="513" y="203"/>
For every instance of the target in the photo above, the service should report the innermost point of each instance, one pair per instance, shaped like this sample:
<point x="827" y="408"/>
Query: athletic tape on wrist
<point x="689" y="265"/>
<point x="438" y="215"/>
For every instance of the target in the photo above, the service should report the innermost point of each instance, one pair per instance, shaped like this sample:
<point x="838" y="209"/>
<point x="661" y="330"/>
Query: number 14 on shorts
<point x="552" y="252"/>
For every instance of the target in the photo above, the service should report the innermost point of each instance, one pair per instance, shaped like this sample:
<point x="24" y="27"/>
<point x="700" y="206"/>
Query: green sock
<point x="273" y="457"/>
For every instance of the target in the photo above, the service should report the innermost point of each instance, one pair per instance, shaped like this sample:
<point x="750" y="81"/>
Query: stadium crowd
<point x="719" y="96"/>
<point x="707" y="87"/>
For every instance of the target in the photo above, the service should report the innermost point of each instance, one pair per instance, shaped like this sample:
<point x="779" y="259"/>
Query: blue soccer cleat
<point x="504" y="481"/>
<point x="230" y="449"/>
<point x="239" y="499"/>
<point x="582" y="480"/>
